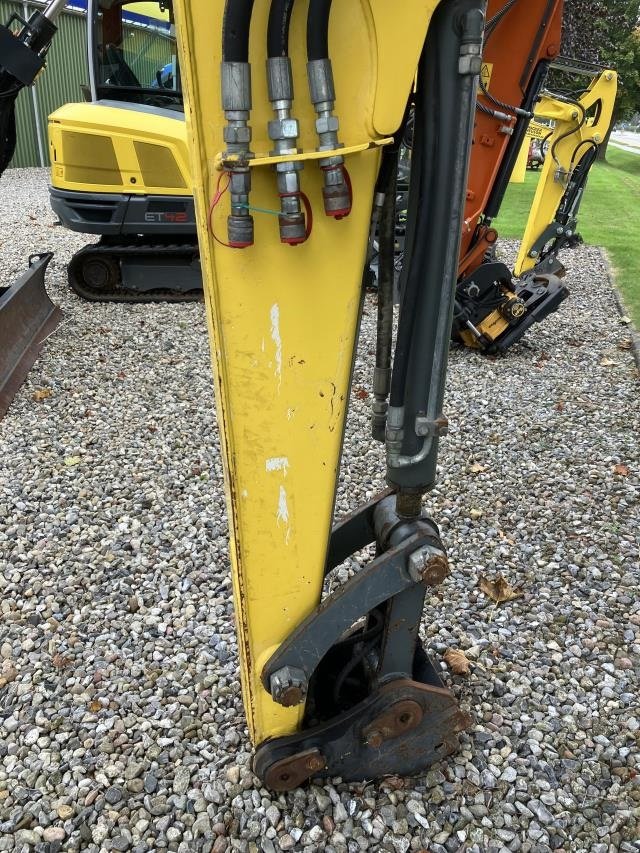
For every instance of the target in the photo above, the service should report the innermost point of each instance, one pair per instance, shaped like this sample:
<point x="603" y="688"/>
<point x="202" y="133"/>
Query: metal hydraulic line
<point x="236" y="102"/>
<point x="283" y="128"/>
<point x="336" y="191"/>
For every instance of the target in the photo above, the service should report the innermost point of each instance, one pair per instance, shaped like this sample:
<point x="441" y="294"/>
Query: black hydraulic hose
<point x="417" y="222"/>
<point x="278" y="28"/>
<point x="235" y="30"/>
<point x="318" y="30"/>
<point x="386" y="266"/>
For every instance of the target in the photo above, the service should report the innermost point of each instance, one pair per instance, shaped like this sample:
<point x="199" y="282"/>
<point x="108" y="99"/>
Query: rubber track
<point x="116" y="251"/>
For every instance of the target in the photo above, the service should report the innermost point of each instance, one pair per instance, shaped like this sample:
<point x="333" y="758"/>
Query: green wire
<point x="260" y="209"/>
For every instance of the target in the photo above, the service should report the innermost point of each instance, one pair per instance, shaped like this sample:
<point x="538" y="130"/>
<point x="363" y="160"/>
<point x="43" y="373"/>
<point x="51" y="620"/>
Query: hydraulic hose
<point x="278" y="28"/>
<point x="283" y="128"/>
<point x="386" y="276"/>
<point x="235" y="30"/>
<point x="445" y="101"/>
<point x="336" y="192"/>
<point x="236" y="103"/>
<point x="318" y="30"/>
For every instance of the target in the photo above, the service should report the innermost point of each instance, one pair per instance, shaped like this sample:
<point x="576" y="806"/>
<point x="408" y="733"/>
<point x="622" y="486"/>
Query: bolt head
<point x="428" y="566"/>
<point x="375" y="739"/>
<point x="314" y="762"/>
<point x="436" y="570"/>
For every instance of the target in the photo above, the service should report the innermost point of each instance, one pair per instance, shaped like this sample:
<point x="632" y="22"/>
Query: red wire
<point x="347" y="180"/>
<point x="214" y="203"/>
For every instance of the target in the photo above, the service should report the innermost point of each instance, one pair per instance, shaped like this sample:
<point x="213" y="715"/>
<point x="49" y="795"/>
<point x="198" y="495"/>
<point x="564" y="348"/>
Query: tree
<point x="606" y="32"/>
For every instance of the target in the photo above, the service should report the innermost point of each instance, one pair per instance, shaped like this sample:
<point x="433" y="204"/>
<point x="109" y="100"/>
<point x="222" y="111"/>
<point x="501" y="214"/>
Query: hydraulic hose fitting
<point x="236" y="103"/>
<point x="284" y="131"/>
<point x="470" y="58"/>
<point x="336" y="191"/>
<point x="379" y="405"/>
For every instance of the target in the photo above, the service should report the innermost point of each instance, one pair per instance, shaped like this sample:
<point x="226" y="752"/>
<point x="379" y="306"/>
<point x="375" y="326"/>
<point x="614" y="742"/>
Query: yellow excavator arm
<point x="579" y="127"/>
<point x="284" y="188"/>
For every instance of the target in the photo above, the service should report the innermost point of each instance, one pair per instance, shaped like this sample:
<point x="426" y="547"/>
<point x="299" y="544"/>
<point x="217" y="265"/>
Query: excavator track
<point x="137" y="271"/>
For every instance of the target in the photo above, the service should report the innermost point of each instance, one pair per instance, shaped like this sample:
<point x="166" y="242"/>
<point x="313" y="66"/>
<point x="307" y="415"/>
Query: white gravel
<point x="121" y="722"/>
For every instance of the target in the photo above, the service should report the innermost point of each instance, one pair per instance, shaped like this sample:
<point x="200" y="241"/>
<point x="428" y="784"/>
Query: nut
<point x="284" y="128"/>
<point x="288" y="686"/>
<point x="237" y="135"/>
<point x="327" y="124"/>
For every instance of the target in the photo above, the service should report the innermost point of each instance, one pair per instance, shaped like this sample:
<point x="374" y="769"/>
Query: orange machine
<point x="511" y="82"/>
<point x="493" y="309"/>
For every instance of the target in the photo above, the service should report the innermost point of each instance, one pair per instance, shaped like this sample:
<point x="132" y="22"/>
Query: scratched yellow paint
<point x="283" y="320"/>
<point x="567" y="118"/>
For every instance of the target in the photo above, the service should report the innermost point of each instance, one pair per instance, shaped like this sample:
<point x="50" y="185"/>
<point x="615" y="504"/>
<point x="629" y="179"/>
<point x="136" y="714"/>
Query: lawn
<point x="609" y="217"/>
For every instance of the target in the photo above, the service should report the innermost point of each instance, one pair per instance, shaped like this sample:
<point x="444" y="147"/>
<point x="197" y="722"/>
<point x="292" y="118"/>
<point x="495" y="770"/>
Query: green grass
<point x="609" y="217"/>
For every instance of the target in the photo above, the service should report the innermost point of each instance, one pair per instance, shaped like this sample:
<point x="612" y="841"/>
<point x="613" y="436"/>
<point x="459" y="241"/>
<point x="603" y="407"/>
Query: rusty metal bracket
<point x="385" y="577"/>
<point x="402" y="728"/>
<point x="27" y="318"/>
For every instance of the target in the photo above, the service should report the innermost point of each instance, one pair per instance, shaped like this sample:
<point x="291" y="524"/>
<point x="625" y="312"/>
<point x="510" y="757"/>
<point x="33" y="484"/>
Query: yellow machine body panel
<point x="573" y="129"/>
<point x="283" y="320"/>
<point x="104" y="149"/>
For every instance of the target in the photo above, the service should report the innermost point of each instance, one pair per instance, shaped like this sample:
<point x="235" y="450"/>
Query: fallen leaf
<point x="457" y="662"/>
<point x="622" y="469"/>
<point x="607" y="362"/>
<point x="573" y="342"/>
<point x="72" y="460"/>
<point x="498" y="590"/>
<point x="476" y="513"/>
<point x="60" y="661"/>
<point x="122" y="374"/>
<point x="95" y="706"/>
<point x="361" y="394"/>
<point x="560" y="406"/>
<point x="396" y="783"/>
<point x="625" y="345"/>
<point x="543" y="357"/>
<point x="41" y="394"/>
<point x="625" y="320"/>
<point x="477" y="468"/>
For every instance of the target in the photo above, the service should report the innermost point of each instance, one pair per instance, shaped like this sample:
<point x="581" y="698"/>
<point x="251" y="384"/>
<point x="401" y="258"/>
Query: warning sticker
<point x="538" y="131"/>
<point x="485" y="73"/>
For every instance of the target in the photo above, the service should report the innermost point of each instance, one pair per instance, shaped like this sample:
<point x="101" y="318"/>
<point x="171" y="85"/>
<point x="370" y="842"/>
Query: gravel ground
<point x="121" y="722"/>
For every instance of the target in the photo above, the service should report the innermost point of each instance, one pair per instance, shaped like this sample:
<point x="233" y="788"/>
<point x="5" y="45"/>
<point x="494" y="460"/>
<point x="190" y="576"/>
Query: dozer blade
<point x="27" y="318"/>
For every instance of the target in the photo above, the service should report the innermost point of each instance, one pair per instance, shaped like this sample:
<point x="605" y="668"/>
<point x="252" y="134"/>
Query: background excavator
<point x="109" y="157"/>
<point x="119" y="161"/>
